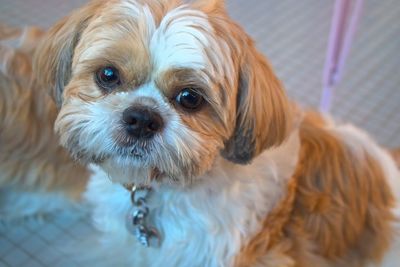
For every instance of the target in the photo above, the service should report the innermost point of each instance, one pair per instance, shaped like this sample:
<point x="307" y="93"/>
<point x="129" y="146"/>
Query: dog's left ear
<point x="263" y="113"/>
<point x="53" y="58"/>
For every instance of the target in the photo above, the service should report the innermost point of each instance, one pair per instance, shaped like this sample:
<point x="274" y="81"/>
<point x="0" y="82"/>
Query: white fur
<point x="204" y="225"/>
<point x="181" y="40"/>
<point x="177" y="43"/>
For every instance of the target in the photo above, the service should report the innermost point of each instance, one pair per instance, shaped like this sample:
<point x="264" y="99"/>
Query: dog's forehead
<point x="181" y="40"/>
<point x="175" y="38"/>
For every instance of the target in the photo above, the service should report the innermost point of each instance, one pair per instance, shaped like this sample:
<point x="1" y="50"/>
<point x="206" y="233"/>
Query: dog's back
<point x="347" y="195"/>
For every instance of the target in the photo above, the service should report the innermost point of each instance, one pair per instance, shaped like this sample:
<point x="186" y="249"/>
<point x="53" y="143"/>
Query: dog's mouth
<point x="135" y="153"/>
<point x="129" y="147"/>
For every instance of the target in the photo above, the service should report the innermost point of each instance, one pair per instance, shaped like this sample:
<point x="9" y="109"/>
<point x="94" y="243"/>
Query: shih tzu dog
<point x="37" y="175"/>
<point x="198" y="158"/>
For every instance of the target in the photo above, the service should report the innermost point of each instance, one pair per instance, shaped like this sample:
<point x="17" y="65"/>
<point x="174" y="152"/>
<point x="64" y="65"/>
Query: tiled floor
<point x="294" y="36"/>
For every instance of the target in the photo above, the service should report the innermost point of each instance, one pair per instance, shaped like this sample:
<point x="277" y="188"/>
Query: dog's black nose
<point x="142" y="122"/>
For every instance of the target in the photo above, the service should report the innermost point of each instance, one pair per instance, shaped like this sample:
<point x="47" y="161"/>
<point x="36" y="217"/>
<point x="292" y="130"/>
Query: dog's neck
<point x="232" y="201"/>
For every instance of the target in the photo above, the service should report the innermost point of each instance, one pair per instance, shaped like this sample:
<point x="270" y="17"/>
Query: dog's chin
<point x="126" y="169"/>
<point x="132" y="165"/>
<point x="128" y="164"/>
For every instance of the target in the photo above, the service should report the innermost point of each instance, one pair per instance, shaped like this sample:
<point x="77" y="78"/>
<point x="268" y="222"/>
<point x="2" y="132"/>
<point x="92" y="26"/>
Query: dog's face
<point x="159" y="89"/>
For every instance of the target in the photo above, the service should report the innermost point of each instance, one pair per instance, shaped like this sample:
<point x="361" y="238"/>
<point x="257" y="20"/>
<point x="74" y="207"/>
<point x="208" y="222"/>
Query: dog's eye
<point x="108" y="78"/>
<point x="189" y="99"/>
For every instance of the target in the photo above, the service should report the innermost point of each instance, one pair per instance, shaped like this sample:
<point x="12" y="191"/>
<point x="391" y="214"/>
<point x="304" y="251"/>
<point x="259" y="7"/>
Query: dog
<point x="37" y="175"/>
<point x="197" y="156"/>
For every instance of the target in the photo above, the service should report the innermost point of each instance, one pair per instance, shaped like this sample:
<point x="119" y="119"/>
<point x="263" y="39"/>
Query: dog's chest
<point x="204" y="227"/>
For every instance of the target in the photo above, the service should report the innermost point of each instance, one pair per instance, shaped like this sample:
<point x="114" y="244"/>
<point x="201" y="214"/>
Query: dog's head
<point x="160" y="87"/>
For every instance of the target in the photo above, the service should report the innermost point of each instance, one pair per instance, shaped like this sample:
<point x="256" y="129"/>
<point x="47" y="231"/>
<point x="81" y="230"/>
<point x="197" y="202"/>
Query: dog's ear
<point x="263" y="113"/>
<point x="53" y="57"/>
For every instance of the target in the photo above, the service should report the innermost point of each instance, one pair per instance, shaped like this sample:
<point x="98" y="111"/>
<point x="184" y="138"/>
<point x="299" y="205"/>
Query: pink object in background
<point x="344" y="24"/>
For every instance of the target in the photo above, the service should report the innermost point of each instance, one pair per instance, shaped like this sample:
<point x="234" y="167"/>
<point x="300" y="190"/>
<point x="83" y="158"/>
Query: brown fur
<point x="396" y="156"/>
<point x="341" y="215"/>
<point x="30" y="157"/>
<point x="272" y="232"/>
<point x="343" y="198"/>
<point x="262" y="108"/>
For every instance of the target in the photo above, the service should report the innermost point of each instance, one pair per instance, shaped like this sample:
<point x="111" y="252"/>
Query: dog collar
<point x="137" y="217"/>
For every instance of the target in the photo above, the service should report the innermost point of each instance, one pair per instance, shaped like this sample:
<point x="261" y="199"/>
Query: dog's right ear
<point x="53" y="57"/>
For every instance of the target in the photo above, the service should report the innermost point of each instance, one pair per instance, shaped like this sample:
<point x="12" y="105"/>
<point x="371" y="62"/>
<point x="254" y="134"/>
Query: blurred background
<point x="294" y="36"/>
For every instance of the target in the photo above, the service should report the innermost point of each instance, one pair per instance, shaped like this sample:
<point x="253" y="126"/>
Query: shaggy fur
<point x="396" y="156"/>
<point x="344" y="230"/>
<point x="31" y="159"/>
<point x="248" y="179"/>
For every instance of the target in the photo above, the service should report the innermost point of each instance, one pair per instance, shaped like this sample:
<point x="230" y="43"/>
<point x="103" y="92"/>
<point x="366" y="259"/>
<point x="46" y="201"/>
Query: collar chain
<point x="136" y="222"/>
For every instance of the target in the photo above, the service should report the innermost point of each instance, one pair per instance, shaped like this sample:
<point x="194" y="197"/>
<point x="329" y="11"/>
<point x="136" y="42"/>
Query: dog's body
<point x="297" y="205"/>
<point x="36" y="173"/>
<point x="176" y="97"/>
